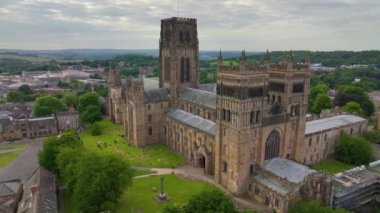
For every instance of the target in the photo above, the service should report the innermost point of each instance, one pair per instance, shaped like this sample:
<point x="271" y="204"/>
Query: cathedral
<point x="251" y="135"/>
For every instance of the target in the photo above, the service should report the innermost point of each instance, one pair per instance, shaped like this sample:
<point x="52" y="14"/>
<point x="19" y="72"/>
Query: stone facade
<point x="255" y="119"/>
<point x="19" y="128"/>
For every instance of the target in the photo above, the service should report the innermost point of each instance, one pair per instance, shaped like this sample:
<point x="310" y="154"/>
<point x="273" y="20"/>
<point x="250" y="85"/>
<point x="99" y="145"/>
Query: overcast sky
<point x="253" y="25"/>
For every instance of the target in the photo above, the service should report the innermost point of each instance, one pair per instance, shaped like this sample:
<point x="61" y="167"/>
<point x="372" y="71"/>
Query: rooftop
<point x="331" y="122"/>
<point x="8" y="188"/>
<point x="290" y="170"/>
<point x="193" y="120"/>
<point x="200" y="97"/>
<point x="272" y="184"/>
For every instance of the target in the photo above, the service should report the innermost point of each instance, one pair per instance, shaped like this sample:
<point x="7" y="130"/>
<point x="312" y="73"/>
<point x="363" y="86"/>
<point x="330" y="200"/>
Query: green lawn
<point x="12" y="146"/>
<point x="152" y="156"/>
<point x="332" y="166"/>
<point x="6" y="158"/>
<point x="141" y="196"/>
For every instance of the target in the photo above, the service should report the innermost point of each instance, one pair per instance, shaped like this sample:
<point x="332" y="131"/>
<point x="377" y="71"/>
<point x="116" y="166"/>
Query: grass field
<point x="332" y="166"/>
<point x="143" y="172"/>
<point x="141" y="196"/>
<point x="111" y="141"/>
<point x="12" y="146"/>
<point x="7" y="158"/>
<point x="32" y="59"/>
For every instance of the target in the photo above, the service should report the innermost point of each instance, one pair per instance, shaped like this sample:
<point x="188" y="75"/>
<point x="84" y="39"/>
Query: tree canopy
<point x="353" y="107"/>
<point x="353" y="150"/>
<point x="313" y="207"/>
<point x="87" y="99"/>
<point x="348" y="93"/>
<point x="70" y="99"/>
<point x="47" y="105"/>
<point x="207" y="201"/>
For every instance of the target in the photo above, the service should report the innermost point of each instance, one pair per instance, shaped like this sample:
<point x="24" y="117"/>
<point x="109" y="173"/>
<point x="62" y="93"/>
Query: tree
<point x="322" y="101"/>
<point x="320" y="88"/>
<point x="87" y="99"/>
<point x="46" y="156"/>
<point x="47" y="105"/>
<point x="91" y="114"/>
<point x="353" y="107"/>
<point x="96" y="130"/>
<point x="353" y="150"/>
<point x="25" y="89"/>
<point x="52" y="145"/>
<point x="347" y="93"/>
<point x="372" y="136"/>
<point x="70" y="99"/>
<point x="67" y="160"/>
<point x="207" y="201"/>
<point x="99" y="185"/>
<point x="313" y="207"/>
<point x="14" y="96"/>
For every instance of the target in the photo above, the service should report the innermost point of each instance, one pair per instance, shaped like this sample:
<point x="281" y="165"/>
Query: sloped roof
<point x="332" y="122"/>
<point x="8" y="188"/>
<point x="290" y="170"/>
<point x="200" y="97"/>
<point x="160" y="94"/>
<point x="272" y="184"/>
<point x="192" y="120"/>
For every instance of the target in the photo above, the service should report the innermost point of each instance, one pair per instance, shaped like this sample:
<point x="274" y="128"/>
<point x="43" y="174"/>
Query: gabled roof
<point x="200" y="97"/>
<point x="332" y="122"/>
<point x="8" y="188"/>
<point x="192" y="120"/>
<point x="290" y="170"/>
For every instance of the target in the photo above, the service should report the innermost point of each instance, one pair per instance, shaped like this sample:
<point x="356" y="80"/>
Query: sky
<point x="253" y="25"/>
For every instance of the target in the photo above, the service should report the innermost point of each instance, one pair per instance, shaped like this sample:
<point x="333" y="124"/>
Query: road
<point x="23" y="166"/>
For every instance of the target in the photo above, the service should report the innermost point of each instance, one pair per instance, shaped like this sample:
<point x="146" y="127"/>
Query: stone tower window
<point x="272" y="146"/>
<point x="182" y="75"/>
<point x="187" y="70"/>
<point x="150" y="130"/>
<point x="251" y="170"/>
<point x="225" y="166"/>
<point x="149" y="117"/>
<point x="181" y="37"/>
<point x="310" y="140"/>
<point x="188" y="37"/>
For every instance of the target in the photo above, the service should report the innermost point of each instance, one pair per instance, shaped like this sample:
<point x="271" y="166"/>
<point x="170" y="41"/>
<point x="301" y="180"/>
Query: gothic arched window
<point x="181" y="37"/>
<point x="188" y="37"/>
<point x="272" y="146"/>
<point x="187" y="70"/>
<point x="182" y="75"/>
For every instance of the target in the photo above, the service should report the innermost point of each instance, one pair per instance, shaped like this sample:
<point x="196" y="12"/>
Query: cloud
<point x="228" y="24"/>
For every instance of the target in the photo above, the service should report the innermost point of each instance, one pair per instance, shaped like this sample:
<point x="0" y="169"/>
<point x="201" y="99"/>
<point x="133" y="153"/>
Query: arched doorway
<point x="201" y="161"/>
<point x="272" y="146"/>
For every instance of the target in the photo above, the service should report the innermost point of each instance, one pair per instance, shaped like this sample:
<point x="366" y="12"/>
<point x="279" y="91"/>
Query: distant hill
<point x="105" y="54"/>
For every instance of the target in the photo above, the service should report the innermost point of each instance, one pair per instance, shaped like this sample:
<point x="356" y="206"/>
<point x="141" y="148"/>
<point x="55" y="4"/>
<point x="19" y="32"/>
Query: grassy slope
<point x="152" y="156"/>
<point x="332" y="166"/>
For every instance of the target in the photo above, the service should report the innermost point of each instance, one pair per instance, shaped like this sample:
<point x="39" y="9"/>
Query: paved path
<point x="192" y="173"/>
<point x="23" y="166"/>
<point x="376" y="151"/>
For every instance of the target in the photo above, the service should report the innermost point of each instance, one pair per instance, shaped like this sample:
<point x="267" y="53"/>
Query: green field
<point x="332" y="166"/>
<point x="12" y="146"/>
<point x="143" y="172"/>
<point x="7" y="158"/>
<point x="225" y="63"/>
<point x="31" y="58"/>
<point x="111" y="141"/>
<point x="141" y="196"/>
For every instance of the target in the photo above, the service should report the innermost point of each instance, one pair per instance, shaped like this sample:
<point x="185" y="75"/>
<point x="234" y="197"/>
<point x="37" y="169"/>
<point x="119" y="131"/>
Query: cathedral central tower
<point x="179" y="54"/>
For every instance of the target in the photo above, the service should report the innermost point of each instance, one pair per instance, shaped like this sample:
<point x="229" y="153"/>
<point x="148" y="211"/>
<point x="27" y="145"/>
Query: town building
<point x="251" y="135"/>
